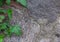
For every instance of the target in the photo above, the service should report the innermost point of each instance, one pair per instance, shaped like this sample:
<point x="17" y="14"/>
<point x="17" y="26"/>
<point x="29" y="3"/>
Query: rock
<point x="44" y="9"/>
<point x="57" y="28"/>
<point x="58" y="20"/>
<point x="42" y="21"/>
<point x="47" y="30"/>
<point x="11" y="39"/>
<point x="56" y="39"/>
<point x="33" y="29"/>
<point x="45" y="40"/>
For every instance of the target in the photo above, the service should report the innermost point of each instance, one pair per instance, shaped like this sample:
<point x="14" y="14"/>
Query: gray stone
<point x="44" y="9"/>
<point x="33" y="29"/>
<point x="57" y="28"/>
<point x="12" y="39"/>
<point x="56" y="39"/>
<point x="42" y="21"/>
<point x="45" y="40"/>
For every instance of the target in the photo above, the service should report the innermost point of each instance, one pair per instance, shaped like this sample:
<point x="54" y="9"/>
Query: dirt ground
<point x="40" y="22"/>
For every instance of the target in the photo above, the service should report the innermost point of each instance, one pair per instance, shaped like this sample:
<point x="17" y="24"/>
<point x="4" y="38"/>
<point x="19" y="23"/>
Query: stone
<point x="58" y="20"/>
<point x="45" y="40"/>
<point x="57" y="28"/>
<point x="12" y="39"/>
<point x="48" y="29"/>
<point x="32" y="30"/>
<point x="42" y="21"/>
<point x="35" y="27"/>
<point x="44" y="9"/>
<point x="56" y="39"/>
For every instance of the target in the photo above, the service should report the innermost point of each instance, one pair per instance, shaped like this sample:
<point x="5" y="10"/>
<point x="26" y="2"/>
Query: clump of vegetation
<point x="6" y="29"/>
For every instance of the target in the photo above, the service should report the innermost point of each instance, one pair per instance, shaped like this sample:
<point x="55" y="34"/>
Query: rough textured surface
<point x="44" y="9"/>
<point x="41" y="24"/>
